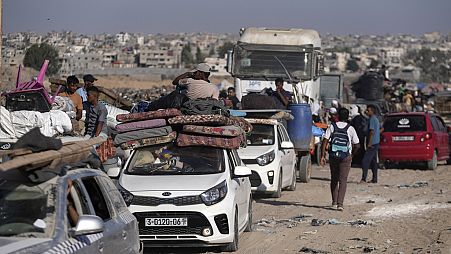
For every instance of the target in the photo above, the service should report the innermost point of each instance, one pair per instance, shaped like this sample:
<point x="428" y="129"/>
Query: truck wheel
<point x="432" y="164"/>
<point x="305" y="168"/>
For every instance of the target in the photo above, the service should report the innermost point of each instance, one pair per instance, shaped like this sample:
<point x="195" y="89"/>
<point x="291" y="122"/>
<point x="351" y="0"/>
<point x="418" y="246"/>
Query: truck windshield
<point x="261" y="62"/>
<point x="27" y="210"/>
<point x="169" y="159"/>
<point x="261" y="135"/>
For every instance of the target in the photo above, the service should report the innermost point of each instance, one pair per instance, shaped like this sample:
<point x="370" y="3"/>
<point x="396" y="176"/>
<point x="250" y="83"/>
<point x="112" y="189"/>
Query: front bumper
<point x="261" y="181"/>
<point x="218" y="217"/>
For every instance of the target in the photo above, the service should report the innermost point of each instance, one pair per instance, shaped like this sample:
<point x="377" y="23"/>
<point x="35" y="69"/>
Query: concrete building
<point x="161" y="57"/>
<point x="72" y="64"/>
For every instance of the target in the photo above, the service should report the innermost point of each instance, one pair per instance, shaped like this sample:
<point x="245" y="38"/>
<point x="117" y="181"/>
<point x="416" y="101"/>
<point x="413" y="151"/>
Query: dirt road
<point x="408" y="211"/>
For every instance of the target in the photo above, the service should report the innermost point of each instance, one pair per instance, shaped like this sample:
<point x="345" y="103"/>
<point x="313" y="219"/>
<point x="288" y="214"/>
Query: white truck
<point x="261" y="55"/>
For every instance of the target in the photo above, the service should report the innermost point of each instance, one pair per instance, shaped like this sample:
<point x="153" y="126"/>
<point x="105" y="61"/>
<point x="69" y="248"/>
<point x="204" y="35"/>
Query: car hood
<point x="252" y="152"/>
<point x="15" y="244"/>
<point x="135" y="183"/>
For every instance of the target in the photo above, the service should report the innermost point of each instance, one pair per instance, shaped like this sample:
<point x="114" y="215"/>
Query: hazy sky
<point x="169" y="16"/>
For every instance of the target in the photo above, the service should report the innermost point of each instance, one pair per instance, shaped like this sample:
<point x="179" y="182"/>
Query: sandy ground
<point x="408" y="211"/>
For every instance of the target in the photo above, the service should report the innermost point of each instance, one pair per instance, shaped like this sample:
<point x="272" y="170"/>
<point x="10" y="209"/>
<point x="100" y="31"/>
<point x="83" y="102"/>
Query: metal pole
<point x="1" y="32"/>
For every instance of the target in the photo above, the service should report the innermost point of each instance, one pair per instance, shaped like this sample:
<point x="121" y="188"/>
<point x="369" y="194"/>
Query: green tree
<point x="187" y="56"/>
<point x="37" y="53"/>
<point x="222" y="50"/>
<point x="434" y="64"/>
<point x="199" y="56"/>
<point x="352" y="65"/>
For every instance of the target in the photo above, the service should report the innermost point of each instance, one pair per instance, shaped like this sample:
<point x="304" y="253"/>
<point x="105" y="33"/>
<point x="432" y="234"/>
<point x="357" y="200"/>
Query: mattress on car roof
<point x="184" y="139"/>
<point x="141" y="134"/>
<point x="164" y="113"/>
<point x="241" y="122"/>
<point x="149" y="141"/>
<point x="139" y="125"/>
<point x="228" y="131"/>
<point x="214" y="120"/>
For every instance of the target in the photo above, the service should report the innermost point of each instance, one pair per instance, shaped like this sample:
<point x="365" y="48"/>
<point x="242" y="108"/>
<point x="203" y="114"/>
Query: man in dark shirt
<point x="231" y="95"/>
<point x="96" y="113"/>
<point x="281" y="96"/>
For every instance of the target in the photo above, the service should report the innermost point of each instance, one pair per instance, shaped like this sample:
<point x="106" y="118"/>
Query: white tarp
<point x="15" y="124"/>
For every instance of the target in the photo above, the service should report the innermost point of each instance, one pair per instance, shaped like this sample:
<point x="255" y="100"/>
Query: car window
<point x="115" y="196"/>
<point x="27" y="209"/>
<point x="435" y="124"/>
<point x="97" y="199"/>
<point x="261" y="135"/>
<point x="441" y="124"/>
<point x="284" y="132"/>
<point x="78" y="199"/>
<point x="405" y="123"/>
<point x="237" y="158"/>
<point x="169" y="159"/>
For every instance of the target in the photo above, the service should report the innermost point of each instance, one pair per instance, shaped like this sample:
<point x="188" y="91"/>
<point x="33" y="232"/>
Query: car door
<point x="290" y="155"/>
<point x="285" y="157"/>
<point x="438" y="136"/>
<point x="239" y="187"/>
<point x="443" y="137"/>
<point x="127" y="222"/>
<point x="113" y="241"/>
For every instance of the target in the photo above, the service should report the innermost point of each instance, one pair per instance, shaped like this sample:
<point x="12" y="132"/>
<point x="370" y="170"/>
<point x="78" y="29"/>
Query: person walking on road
<point x="343" y="144"/>
<point x="370" y="158"/>
<point x="360" y="124"/>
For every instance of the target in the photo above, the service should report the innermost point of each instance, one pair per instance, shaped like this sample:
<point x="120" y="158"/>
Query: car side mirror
<point x="114" y="172"/>
<point x="242" y="171"/>
<point x="88" y="224"/>
<point x="286" y="145"/>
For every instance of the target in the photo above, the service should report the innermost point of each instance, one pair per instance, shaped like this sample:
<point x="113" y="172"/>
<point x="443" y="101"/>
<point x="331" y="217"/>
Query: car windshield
<point x="169" y="159"/>
<point x="261" y="135"/>
<point x="405" y="123"/>
<point x="262" y="62"/>
<point x="27" y="210"/>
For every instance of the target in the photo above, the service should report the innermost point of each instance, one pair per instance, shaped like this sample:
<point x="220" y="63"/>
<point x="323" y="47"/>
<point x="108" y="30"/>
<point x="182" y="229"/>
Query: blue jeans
<point x="370" y="161"/>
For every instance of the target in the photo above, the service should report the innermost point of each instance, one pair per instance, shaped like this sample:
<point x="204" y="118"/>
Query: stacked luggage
<point x="170" y="125"/>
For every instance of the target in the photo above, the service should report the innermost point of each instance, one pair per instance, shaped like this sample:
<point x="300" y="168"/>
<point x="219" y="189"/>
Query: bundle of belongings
<point x="169" y="125"/>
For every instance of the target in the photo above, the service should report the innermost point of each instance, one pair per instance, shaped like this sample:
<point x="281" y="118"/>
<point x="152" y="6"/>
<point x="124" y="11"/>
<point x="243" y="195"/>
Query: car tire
<point x="432" y="164"/>
<point x="278" y="193"/>
<point x="292" y="186"/>
<point x="305" y="168"/>
<point x="249" y="217"/>
<point x="233" y="246"/>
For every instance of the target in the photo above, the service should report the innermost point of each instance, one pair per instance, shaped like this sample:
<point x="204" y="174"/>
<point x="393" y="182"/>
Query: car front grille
<point x="250" y="161"/>
<point x="196" y="222"/>
<point x="177" y="201"/>
<point x="255" y="179"/>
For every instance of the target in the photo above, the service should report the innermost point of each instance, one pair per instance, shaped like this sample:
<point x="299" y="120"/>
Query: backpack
<point x="339" y="142"/>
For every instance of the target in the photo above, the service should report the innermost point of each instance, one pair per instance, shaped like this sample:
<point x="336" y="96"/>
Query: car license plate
<point x="403" y="138"/>
<point x="166" y="222"/>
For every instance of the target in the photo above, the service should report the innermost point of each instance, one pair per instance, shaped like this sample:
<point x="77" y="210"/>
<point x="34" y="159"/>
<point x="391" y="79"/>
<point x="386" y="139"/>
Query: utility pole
<point x="1" y="32"/>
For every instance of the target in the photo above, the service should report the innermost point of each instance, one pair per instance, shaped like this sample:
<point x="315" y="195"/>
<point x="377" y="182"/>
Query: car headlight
<point x="126" y="195"/>
<point x="215" y="194"/>
<point x="266" y="158"/>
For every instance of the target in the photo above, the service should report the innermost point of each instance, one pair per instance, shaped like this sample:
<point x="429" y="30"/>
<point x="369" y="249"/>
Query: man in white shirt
<point x="197" y="84"/>
<point x="344" y="143"/>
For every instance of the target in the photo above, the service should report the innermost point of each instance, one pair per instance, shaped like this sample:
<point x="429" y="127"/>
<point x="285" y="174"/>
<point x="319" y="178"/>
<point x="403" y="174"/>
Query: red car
<point x="414" y="137"/>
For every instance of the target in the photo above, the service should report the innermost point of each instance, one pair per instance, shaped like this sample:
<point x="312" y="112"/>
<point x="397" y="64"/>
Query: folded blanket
<point x="165" y="113"/>
<point x="200" y="119"/>
<point x="146" y="124"/>
<point x="141" y="134"/>
<point x="149" y="141"/>
<point x="241" y="122"/>
<point x="230" y="131"/>
<point x="221" y="142"/>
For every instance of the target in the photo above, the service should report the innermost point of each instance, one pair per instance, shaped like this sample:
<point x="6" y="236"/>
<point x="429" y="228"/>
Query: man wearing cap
<point x="197" y="84"/>
<point x="72" y="83"/>
<point x="88" y="80"/>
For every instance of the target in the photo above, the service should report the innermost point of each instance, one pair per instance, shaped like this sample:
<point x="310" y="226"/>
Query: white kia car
<point x="271" y="156"/>
<point x="187" y="196"/>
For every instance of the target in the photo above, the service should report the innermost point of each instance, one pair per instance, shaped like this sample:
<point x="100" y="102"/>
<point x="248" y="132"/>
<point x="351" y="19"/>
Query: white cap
<point x="203" y="67"/>
<point x="334" y="103"/>
<point x="333" y="110"/>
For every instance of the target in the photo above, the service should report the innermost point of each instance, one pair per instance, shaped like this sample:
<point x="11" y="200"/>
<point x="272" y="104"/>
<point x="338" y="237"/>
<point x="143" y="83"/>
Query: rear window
<point x="404" y="123"/>
<point x="261" y="135"/>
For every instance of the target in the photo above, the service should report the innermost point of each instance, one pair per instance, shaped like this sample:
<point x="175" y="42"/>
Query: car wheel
<point x="233" y="246"/>
<point x="432" y="164"/>
<point x="249" y="217"/>
<point x="305" y="168"/>
<point x="292" y="186"/>
<point x="278" y="193"/>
